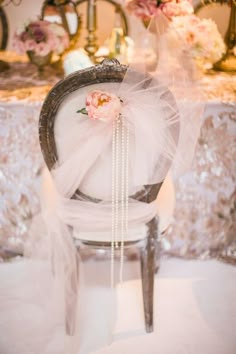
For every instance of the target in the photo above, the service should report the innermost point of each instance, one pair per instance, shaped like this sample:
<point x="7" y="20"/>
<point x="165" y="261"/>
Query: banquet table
<point x="203" y="224"/>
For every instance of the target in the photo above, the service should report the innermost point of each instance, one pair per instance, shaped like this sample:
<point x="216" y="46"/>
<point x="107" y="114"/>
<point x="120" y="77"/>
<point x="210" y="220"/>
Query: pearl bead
<point x="120" y="195"/>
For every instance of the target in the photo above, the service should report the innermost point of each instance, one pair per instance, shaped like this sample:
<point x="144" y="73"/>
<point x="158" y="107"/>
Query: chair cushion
<point x="165" y="208"/>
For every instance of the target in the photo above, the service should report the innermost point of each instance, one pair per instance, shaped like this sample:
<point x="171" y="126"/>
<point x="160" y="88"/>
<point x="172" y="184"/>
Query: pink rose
<point x="186" y="7"/>
<point x="143" y="9"/>
<point x="24" y="36"/>
<point x="102" y="106"/>
<point x="30" y="45"/>
<point x="194" y="20"/>
<point x="42" y="49"/>
<point x="170" y="9"/>
<point x="53" y="42"/>
<point x="38" y="30"/>
<point x="18" y="46"/>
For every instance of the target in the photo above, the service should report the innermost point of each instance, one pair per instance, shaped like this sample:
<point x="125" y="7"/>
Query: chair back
<point x="58" y="117"/>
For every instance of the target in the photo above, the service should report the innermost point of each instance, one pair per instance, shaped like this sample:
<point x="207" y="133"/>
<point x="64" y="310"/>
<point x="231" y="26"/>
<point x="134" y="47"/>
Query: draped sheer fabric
<point x="149" y="111"/>
<point x="163" y="114"/>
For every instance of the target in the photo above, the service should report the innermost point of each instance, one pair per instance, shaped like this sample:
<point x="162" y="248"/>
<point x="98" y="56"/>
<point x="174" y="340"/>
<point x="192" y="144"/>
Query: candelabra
<point x="228" y="61"/>
<point x="91" y="46"/>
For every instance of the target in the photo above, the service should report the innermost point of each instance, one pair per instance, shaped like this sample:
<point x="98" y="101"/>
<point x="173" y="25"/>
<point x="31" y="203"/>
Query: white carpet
<point x="195" y="311"/>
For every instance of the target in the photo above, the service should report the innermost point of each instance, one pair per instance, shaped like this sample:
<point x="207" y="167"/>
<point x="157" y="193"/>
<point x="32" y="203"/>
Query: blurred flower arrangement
<point x="146" y="9"/>
<point x="41" y="37"/>
<point x="201" y="37"/>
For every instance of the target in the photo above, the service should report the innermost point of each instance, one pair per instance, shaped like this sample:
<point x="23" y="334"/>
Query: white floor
<point x="195" y="311"/>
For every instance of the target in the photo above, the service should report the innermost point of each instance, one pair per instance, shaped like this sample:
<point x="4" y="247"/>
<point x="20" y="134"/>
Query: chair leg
<point x="148" y="265"/>
<point x="158" y="255"/>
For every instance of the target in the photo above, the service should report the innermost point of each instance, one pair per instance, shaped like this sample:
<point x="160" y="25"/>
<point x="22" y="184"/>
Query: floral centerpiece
<point x="201" y="38"/>
<point x="146" y="9"/>
<point x="40" y="37"/>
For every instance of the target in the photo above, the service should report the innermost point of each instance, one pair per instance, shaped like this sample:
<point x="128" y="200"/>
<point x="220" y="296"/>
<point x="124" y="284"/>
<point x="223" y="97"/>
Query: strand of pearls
<point x="127" y="184"/>
<point x="124" y="192"/>
<point x="122" y="199"/>
<point x="120" y="179"/>
<point x="117" y="180"/>
<point x="113" y="195"/>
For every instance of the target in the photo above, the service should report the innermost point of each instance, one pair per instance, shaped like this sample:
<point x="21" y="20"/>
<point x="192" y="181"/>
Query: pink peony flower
<point x="143" y="9"/>
<point x="19" y="46"/>
<point x="102" y="106"/>
<point x="24" y="36"/>
<point x="185" y="7"/>
<point x="30" y="45"/>
<point x="170" y="9"/>
<point x="42" y="49"/>
<point x="37" y="30"/>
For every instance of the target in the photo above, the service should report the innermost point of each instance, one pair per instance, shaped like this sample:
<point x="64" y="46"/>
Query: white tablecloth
<point x="204" y="219"/>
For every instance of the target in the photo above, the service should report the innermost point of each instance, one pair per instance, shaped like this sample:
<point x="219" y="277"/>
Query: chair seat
<point x="135" y="234"/>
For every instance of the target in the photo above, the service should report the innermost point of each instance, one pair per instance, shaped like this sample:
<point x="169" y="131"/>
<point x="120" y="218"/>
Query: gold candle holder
<point x="228" y="61"/>
<point x="91" y="47"/>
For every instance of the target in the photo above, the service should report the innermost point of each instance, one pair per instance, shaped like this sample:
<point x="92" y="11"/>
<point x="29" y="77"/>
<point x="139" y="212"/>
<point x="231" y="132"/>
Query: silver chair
<point x="103" y="74"/>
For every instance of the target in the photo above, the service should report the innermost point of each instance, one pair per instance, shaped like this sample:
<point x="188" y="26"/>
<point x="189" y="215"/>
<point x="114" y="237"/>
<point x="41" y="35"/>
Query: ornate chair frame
<point x="108" y="71"/>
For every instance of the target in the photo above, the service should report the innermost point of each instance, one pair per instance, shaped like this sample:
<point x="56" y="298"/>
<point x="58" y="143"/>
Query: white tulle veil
<point x="162" y="114"/>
